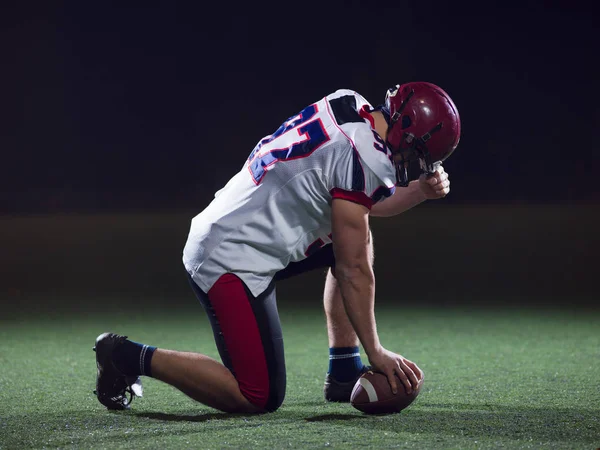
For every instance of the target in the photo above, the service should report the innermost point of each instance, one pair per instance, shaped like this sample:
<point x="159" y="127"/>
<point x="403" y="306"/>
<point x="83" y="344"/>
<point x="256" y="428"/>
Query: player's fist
<point x="435" y="185"/>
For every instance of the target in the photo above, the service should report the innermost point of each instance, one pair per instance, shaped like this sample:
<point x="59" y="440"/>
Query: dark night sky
<point x="127" y="107"/>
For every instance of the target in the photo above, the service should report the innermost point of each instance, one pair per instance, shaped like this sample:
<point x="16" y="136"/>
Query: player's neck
<point x="381" y="125"/>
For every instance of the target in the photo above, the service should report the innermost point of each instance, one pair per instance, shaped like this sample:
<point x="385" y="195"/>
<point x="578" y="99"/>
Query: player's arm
<point x="427" y="187"/>
<point x="350" y="227"/>
<point x="400" y="201"/>
<point x="350" y="231"/>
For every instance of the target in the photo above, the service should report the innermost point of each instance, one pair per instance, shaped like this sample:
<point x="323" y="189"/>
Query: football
<point x="372" y="394"/>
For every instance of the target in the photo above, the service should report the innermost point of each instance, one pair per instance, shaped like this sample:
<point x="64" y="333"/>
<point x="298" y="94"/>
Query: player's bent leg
<point x="249" y="339"/>
<point x="121" y="361"/>
<point x="203" y="379"/>
<point x="248" y="335"/>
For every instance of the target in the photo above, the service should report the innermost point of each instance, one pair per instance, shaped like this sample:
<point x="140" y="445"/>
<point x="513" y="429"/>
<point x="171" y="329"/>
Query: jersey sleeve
<point x="365" y="174"/>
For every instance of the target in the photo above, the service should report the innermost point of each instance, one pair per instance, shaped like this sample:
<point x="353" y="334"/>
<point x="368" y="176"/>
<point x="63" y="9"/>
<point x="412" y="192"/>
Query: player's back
<point x="277" y="209"/>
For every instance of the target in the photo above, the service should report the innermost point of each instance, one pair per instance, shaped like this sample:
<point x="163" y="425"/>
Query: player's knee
<point x="275" y="400"/>
<point x="265" y="398"/>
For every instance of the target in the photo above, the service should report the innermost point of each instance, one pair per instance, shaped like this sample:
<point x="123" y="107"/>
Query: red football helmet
<point x="423" y="124"/>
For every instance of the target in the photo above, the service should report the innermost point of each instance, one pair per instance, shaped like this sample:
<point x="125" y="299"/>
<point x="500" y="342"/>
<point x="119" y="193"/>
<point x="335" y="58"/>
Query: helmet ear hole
<point x="406" y="122"/>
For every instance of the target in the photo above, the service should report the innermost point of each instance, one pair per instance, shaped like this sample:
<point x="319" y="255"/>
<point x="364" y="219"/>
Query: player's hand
<point x="392" y="364"/>
<point x="435" y="185"/>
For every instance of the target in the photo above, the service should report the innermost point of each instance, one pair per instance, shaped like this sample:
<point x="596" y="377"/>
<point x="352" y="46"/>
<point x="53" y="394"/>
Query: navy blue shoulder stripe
<point x="358" y="174"/>
<point x="344" y="110"/>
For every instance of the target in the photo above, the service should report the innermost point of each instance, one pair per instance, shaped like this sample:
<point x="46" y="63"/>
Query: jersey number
<point x="297" y="138"/>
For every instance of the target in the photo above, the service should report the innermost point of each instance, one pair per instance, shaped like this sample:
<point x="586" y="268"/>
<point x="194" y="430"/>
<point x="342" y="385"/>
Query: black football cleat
<point x="111" y="384"/>
<point x="337" y="391"/>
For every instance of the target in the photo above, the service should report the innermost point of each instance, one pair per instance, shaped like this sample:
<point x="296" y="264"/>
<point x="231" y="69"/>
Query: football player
<point x="302" y="201"/>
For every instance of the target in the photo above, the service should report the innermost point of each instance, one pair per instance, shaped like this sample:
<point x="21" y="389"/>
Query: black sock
<point x="344" y="363"/>
<point x="133" y="358"/>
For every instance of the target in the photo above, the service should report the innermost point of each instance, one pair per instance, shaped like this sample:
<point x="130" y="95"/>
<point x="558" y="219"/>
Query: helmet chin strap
<point x="394" y="118"/>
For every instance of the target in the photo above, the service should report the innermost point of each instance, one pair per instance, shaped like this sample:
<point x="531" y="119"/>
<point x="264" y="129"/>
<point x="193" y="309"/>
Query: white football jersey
<point x="277" y="209"/>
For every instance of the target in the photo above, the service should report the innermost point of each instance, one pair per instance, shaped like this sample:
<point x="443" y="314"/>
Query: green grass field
<point x="494" y="379"/>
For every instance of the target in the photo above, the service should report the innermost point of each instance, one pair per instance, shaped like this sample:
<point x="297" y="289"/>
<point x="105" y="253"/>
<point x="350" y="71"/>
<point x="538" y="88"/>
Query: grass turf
<point x="511" y="378"/>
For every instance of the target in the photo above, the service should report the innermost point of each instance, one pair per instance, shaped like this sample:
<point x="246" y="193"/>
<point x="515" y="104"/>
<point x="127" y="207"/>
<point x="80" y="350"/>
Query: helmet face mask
<point x="423" y="125"/>
<point x="410" y="151"/>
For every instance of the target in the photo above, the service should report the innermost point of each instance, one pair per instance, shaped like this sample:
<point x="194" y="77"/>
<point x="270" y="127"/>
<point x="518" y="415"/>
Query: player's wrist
<point x="419" y="194"/>
<point x="373" y="350"/>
